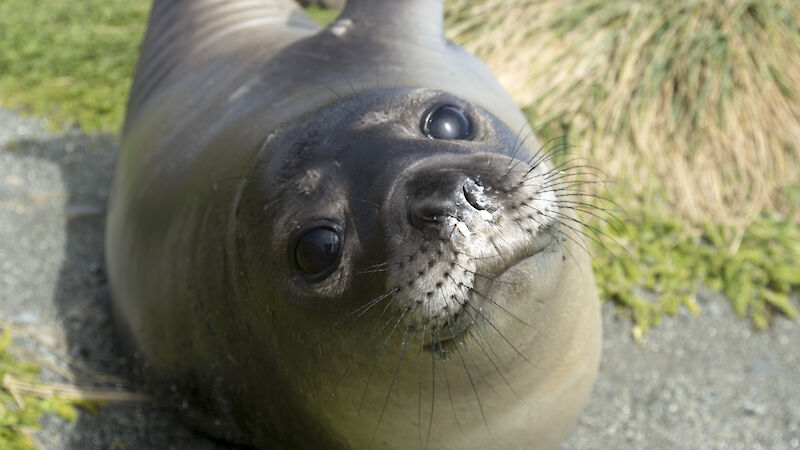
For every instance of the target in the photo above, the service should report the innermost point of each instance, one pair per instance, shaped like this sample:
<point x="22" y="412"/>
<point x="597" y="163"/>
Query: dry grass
<point x="696" y="98"/>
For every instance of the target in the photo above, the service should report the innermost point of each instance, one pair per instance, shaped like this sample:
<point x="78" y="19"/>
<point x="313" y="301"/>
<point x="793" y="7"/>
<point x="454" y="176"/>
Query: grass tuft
<point x="698" y="99"/>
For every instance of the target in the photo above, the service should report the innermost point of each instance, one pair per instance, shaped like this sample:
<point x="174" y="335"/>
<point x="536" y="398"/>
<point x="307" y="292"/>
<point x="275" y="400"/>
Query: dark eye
<point x="317" y="251"/>
<point x="447" y="122"/>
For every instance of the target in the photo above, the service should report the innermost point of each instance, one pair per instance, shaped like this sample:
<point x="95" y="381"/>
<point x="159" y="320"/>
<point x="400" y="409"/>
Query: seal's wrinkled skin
<point x="345" y="238"/>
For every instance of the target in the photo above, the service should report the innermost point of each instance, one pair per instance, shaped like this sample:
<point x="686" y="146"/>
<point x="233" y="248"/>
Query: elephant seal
<point x="341" y="238"/>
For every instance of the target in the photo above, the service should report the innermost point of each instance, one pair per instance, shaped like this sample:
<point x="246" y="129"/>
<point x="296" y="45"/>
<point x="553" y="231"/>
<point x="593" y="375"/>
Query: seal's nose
<point x="442" y="195"/>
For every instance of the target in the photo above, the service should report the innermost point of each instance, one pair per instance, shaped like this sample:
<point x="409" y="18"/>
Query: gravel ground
<point x="695" y="383"/>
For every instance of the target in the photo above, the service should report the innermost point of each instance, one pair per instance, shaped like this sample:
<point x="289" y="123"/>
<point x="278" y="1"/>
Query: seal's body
<point x="341" y="238"/>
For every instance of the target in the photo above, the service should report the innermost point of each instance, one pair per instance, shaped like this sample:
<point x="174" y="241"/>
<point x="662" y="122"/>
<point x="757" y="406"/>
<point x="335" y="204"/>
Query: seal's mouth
<point x="481" y="303"/>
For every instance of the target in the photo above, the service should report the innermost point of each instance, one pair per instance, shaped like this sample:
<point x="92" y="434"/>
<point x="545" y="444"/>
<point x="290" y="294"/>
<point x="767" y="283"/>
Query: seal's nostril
<point x="473" y="193"/>
<point x="437" y="196"/>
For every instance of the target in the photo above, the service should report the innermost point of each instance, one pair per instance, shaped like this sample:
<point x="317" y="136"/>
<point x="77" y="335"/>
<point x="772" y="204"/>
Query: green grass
<point x="322" y="16"/>
<point x="70" y="61"/>
<point x="13" y="418"/>
<point x="654" y="262"/>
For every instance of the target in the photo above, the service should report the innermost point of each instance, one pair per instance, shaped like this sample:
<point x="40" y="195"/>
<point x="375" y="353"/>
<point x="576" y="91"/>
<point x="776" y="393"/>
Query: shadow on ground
<point x="54" y="191"/>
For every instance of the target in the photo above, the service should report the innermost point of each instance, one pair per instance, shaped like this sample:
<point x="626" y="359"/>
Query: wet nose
<point x="439" y="196"/>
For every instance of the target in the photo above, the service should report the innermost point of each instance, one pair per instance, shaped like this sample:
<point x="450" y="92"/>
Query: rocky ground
<point x="695" y="383"/>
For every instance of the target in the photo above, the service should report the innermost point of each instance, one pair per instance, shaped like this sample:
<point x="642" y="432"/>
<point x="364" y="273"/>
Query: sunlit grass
<point x="654" y="263"/>
<point x="70" y="61"/>
<point x="698" y="99"/>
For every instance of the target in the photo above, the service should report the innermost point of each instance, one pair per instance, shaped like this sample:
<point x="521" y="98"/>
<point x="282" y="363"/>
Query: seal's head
<point x="410" y="269"/>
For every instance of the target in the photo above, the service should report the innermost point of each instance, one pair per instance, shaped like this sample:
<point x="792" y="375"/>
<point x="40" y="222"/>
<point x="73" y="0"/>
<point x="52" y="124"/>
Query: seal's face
<point x="421" y="238"/>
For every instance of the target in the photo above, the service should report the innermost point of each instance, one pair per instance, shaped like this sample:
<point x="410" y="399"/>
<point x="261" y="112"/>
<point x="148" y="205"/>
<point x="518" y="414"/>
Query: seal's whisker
<point x="471" y="382"/>
<point x="421" y="361"/>
<point x="341" y="103"/>
<point x="490" y="278"/>
<point x="518" y="145"/>
<point x="496" y="368"/>
<point x="572" y="172"/>
<point x="514" y="162"/>
<point x="352" y="88"/>
<point x="403" y="350"/>
<point x="578" y="230"/>
<point x="586" y="194"/>
<point x="386" y="308"/>
<point x="475" y="258"/>
<point x="388" y="264"/>
<point x="500" y="307"/>
<point x="446" y="378"/>
<point x="562" y="167"/>
<point x="433" y="390"/>
<point x="544" y="228"/>
<point x="564" y="181"/>
<point x="361" y="310"/>
<point x="366" y="202"/>
<point x="502" y="336"/>
<point x="482" y="332"/>
<point x="564" y="170"/>
<point x="595" y="232"/>
<point x="560" y="147"/>
<point x="545" y="151"/>
<point x="565" y="236"/>
<point x="361" y="353"/>
<point x="401" y="315"/>
<point x="604" y="215"/>
<point x="477" y="368"/>
<point x="562" y="185"/>
<point x="228" y="180"/>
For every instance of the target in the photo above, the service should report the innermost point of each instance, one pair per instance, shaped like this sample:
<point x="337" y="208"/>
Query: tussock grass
<point x="699" y="99"/>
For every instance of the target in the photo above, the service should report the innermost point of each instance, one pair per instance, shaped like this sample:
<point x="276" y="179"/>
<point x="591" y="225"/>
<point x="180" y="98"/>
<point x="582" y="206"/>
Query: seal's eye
<point x="317" y="251"/>
<point x="447" y="122"/>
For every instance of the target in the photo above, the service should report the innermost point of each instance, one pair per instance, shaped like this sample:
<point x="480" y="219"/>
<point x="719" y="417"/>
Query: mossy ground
<point x="72" y="62"/>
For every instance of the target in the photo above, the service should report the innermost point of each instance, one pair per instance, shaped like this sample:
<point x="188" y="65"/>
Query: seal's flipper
<point x="183" y="34"/>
